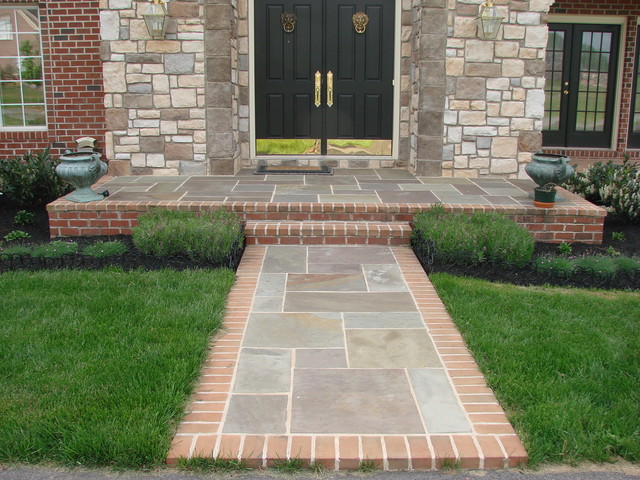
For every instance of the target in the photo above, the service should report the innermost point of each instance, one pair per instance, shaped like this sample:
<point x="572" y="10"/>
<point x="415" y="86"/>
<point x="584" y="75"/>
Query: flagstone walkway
<point x="338" y="355"/>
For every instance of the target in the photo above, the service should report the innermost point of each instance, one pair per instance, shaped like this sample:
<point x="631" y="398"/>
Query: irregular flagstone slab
<point x="267" y="304"/>
<point x="259" y="414"/>
<point x="335" y="268"/>
<point x="326" y="282"/>
<point x="263" y="371"/>
<point x="271" y="284"/>
<point x="350" y="255"/>
<point x="285" y="260"/>
<point x="353" y="402"/>
<point x="321" y="358"/>
<point x="384" y="278"/>
<point x="294" y="330"/>
<point x="391" y="348"/>
<point x="383" y="320"/>
<point x="349" y="302"/>
<point x="440" y="408"/>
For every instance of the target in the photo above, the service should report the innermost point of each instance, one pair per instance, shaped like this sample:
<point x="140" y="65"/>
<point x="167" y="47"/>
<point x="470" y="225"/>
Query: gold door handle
<point x="318" y="89"/>
<point x="329" y="88"/>
<point x="566" y="92"/>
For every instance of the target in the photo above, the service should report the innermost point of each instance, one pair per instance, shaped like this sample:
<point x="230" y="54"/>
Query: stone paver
<point x="335" y="366"/>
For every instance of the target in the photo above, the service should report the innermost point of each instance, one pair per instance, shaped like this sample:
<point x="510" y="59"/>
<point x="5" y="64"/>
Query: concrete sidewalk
<point x="339" y="355"/>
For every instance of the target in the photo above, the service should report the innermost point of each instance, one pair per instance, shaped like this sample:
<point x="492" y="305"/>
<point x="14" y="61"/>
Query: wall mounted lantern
<point x="156" y="19"/>
<point x="488" y="21"/>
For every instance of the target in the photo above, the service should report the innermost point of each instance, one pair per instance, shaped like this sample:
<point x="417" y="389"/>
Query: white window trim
<point x="17" y="10"/>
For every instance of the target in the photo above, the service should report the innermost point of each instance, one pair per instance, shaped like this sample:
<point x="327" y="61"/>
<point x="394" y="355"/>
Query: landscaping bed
<point x="32" y="250"/>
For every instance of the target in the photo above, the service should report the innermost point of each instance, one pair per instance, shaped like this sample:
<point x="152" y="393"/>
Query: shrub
<point x="209" y="236"/>
<point x="470" y="240"/>
<point x="610" y="185"/>
<point x="597" y="265"/>
<point x="554" y="266"/>
<point x="102" y="249"/>
<point x="55" y="249"/>
<point x="628" y="265"/>
<point x="16" y="235"/>
<point x="31" y="180"/>
<point x="24" y="218"/>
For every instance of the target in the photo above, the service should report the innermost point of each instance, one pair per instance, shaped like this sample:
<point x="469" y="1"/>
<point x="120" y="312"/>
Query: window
<point x="580" y="85"/>
<point x="22" y="99"/>
<point x="634" y="127"/>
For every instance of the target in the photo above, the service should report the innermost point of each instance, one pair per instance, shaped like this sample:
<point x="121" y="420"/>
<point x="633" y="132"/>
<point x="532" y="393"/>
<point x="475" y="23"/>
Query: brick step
<point x="327" y="233"/>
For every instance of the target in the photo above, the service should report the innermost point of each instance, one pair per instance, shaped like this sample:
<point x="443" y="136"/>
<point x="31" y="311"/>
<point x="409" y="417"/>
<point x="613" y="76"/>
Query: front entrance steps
<point x="327" y="233"/>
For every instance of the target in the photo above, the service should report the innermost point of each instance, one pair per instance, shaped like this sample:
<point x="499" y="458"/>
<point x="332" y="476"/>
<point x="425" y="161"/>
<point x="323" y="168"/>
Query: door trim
<point x="603" y="20"/>
<point x="396" y="96"/>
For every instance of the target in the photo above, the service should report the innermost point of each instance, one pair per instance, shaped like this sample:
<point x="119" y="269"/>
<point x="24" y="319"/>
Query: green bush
<point x="602" y="266"/>
<point x="24" y="218"/>
<point x="611" y="185"/>
<point x="471" y="240"/>
<point x="16" y="235"/>
<point x="101" y="249"/>
<point x="55" y="249"/>
<point x="208" y="236"/>
<point x="31" y="180"/>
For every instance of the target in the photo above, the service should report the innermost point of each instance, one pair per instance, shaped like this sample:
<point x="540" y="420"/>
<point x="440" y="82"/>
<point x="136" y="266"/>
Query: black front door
<point x="580" y="85"/>
<point x="324" y="76"/>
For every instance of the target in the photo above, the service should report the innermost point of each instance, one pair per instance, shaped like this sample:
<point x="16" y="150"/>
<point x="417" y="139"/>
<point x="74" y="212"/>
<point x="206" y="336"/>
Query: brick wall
<point x="631" y="10"/>
<point x="73" y="78"/>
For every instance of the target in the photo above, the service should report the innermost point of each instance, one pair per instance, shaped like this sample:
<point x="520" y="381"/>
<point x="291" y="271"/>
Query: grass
<point x="564" y="364"/>
<point x="200" y="465"/>
<point x="96" y="366"/>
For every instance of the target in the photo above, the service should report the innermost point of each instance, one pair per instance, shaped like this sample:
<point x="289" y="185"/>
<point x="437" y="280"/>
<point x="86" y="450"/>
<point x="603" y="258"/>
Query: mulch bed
<point x="629" y="246"/>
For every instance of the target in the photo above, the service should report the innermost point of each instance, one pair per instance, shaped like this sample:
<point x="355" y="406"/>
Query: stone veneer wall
<point x="494" y="101"/>
<point x="468" y="107"/>
<point x="154" y="89"/>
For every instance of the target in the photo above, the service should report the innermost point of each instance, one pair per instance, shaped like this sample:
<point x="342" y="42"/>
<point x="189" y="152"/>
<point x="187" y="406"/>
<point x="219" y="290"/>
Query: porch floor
<point x="389" y="197"/>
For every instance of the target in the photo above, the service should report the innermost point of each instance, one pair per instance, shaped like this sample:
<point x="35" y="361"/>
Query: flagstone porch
<point x="353" y="206"/>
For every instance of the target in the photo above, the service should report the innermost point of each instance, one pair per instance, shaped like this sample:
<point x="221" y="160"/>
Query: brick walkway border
<point x="493" y="443"/>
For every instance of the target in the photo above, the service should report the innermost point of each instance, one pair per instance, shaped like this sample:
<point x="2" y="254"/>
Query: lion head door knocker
<point x="360" y="20"/>
<point x="288" y="20"/>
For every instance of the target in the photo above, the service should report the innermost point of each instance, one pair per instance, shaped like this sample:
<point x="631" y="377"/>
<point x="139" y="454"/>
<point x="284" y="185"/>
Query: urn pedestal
<point x="82" y="169"/>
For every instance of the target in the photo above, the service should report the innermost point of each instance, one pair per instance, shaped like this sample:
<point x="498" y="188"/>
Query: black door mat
<point x="292" y="170"/>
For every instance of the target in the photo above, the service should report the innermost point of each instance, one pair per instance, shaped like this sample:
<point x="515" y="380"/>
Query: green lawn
<point x="564" y="363"/>
<point x="95" y="367"/>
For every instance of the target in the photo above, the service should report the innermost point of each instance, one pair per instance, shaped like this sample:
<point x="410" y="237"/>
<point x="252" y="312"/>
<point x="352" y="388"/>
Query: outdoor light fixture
<point x="156" y="19"/>
<point x="488" y="21"/>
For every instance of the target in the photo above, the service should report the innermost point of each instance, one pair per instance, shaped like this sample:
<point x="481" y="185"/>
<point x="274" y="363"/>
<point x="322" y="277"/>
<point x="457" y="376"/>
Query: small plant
<point x="209" y="237"/>
<point x="101" y="249"/>
<point x="451" y="465"/>
<point x="290" y="465"/>
<point x="612" y="252"/>
<point x="597" y="265"/>
<point x="565" y="249"/>
<point x="554" y="266"/>
<point x="617" y="236"/>
<point x="316" y="467"/>
<point x="627" y="265"/>
<point x="16" y="235"/>
<point x="211" y="464"/>
<point x="368" y="466"/>
<point x="24" y="217"/>
<point x="16" y="250"/>
<point x="55" y="249"/>
<point x="31" y="180"/>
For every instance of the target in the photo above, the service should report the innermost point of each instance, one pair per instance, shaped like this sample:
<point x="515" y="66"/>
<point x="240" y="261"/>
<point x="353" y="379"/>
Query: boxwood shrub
<point x="203" y="236"/>
<point x="473" y="239"/>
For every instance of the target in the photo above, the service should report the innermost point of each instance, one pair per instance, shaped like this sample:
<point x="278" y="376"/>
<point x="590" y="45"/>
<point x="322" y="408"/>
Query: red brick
<point x="420" y="453"/>
<point x="349" y="455"/>
<point x="229" y="447"/>
<point x="443" y="449"/>
<point x="493" y="456"/>
<point x="205" y="445"/>
<point x="325" y="452"/>
<point x="397" y="456"/>
<point x="276" y="449"/>
<point x="252" y="451"/>
<point x="372" y="450"/>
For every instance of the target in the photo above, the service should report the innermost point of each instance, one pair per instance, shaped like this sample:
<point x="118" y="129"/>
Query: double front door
<point x="324" y="77"/>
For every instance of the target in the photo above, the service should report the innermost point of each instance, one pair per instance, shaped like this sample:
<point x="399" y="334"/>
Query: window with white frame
<point x="22" y="99"/>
